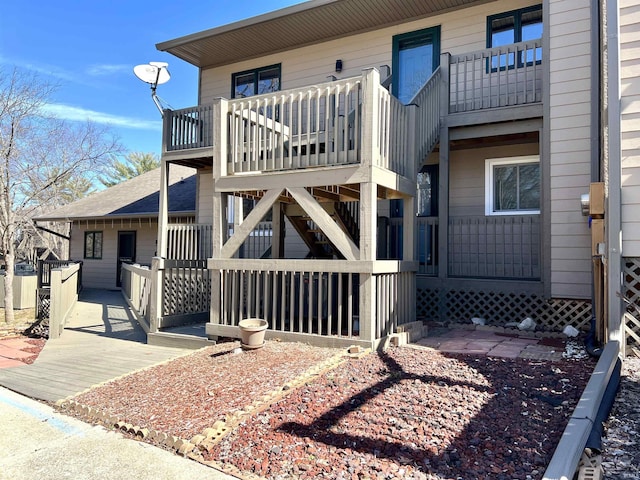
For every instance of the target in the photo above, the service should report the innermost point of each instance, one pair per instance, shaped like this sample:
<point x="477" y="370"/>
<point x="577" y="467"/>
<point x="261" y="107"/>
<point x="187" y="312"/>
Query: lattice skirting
<point x="43" y="303"/>
<point x="499" y="308"/>
<point x="632" y="294"/>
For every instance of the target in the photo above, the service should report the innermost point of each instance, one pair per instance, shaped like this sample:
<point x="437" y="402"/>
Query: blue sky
<point x="90" y="48"/>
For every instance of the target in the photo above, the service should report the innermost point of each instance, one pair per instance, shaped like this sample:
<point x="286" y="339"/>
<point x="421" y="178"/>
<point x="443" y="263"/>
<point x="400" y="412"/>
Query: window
<point x="255" y="82"/>
<point x="93" y="245"/>
<point x="427" y="195"/>
<point x="512" y="185"/>
<point x="513" y="27"/>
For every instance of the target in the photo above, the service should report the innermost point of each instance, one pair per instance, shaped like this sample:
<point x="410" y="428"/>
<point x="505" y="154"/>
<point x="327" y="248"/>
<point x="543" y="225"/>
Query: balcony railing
<point x="496" y="77"/>
<point x="295" y="298"/>
<point x="192" y="241"/>
<point x="479" y="247"/>
<point x="188" y="128"/>
<point x="495" y="247"/>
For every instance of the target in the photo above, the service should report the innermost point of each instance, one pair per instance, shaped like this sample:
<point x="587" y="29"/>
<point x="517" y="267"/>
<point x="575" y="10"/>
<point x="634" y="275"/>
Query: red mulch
<point x="406" y="413"/>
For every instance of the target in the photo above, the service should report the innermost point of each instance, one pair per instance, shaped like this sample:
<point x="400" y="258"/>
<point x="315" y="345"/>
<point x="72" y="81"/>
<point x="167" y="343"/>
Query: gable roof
<point x="299" y="25"/>
<point x="134" y="198"/>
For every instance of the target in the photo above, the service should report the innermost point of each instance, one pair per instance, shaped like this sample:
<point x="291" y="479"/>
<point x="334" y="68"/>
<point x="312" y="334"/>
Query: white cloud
<point x="67" y="112"/>
<point x="100" y="70"/>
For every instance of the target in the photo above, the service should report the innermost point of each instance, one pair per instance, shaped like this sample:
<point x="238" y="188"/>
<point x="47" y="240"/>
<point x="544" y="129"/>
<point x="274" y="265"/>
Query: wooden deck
<point x="101" y="341"/>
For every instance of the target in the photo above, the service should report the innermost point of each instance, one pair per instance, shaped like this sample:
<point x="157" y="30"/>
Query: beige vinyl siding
<point x="467" y="176"/>
<point x="101" y="273"/>
<point x="461" y="31"/>
<point x="570" y="146"/>
<point x="630" y="126"/>
<point x="204" y="202"/>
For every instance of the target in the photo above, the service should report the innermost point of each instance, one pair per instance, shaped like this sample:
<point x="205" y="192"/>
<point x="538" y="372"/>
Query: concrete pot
<point x="252" y="332"/>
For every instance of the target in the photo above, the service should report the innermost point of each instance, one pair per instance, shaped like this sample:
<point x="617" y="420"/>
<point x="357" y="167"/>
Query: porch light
<point x="153" y="73"/>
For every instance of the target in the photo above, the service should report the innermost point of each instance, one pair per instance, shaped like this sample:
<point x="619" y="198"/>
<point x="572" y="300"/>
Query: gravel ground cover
<point x="412" y="413"/>
<point x="184" y="396"/>
<point x="621" y="444"/>
<point x="406" y="413"/>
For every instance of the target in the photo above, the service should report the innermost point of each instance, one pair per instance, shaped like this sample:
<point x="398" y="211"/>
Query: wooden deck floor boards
<point x="101" y="341"/>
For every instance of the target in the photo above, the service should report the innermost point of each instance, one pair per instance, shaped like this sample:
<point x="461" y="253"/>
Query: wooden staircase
<point x="317" y="242"/>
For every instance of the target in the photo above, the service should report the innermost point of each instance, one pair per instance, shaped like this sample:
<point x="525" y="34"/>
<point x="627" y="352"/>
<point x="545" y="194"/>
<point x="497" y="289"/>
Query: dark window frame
<point x="92" y="234"/>
<point x="430" y="34"/>
<point x="256" y="73"/>
<point x="517" y="33"/>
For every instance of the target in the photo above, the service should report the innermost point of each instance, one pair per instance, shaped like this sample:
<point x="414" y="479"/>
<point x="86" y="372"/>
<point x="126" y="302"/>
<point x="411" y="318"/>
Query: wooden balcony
<point x="354" y="121"/>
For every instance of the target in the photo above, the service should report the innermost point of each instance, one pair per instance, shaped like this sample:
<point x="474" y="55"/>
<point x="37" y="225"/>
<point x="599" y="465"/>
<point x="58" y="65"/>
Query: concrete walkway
<point x="101" y="341"/>
<point x="37" y="443"/>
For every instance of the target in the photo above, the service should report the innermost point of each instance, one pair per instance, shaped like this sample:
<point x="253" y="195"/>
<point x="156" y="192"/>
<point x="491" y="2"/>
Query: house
<point x="431" y="156"/>
<point x="120" y="224"/>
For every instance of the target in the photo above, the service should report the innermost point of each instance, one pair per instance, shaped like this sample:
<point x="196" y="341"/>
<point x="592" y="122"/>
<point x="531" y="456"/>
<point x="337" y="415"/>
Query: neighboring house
<point x="430" y="155"/>
<point x="120" y="224"/>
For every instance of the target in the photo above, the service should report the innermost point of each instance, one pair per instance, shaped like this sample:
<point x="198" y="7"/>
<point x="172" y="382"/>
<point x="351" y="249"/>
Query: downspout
<point x="597" y="66"/>
<point x="613" y="186"/>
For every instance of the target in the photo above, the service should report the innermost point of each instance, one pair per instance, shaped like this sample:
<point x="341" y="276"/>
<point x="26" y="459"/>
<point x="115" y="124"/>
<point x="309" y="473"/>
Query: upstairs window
<point x="512" y="186"/>
<point x="93" y="245"/>
<point x="514" y="27"/>
<point x="255" y="82"/>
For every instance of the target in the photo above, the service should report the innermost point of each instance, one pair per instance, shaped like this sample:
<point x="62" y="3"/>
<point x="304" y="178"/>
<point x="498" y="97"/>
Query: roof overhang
<point x="299" y="25"/>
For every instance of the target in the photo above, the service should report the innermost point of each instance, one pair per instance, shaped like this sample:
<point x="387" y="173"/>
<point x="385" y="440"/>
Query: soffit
<point x="304" y="24"/>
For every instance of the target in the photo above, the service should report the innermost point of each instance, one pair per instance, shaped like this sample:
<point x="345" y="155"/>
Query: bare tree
<point x="38" y="156"/>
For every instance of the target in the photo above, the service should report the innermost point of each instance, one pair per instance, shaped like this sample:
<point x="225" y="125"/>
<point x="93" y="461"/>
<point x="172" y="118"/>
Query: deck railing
<point x="479" y="247"/>
<point x="426" y="246"/>
<point x="189" y="241"/>
<point x="392" y="135"/>
<point x="428" y="117"/>
<point x="296" y="298"/>
<point x="298" y="128"/>
<point x="188" y="128"/>
<point x="64" y="295"/>
<point x="496" y="77"/>
<point x="136" y="287"/>
<point x="186" y="292"/>
<point x="192" y="241"/>
<point x="495" y="247"/>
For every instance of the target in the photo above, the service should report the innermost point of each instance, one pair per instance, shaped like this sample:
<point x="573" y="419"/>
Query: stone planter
<point x="252" y="332"/>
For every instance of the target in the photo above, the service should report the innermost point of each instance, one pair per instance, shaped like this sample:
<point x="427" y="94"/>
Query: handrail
<point x="428" y="118"/>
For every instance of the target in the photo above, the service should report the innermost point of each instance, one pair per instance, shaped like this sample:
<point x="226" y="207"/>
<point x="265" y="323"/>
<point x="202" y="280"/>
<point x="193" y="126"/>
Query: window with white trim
<point x="512" y="185"/>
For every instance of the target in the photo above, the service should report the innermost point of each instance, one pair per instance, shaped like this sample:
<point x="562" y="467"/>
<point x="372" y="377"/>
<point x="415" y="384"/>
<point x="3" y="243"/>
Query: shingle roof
<point x="138" y="197"/>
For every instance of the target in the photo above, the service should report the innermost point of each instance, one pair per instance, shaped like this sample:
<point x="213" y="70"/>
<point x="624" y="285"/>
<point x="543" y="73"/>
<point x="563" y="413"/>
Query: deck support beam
<point x="368" y="242"/>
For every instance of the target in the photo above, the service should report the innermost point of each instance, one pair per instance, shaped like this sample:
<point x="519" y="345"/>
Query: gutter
<point x="593" y="407"/>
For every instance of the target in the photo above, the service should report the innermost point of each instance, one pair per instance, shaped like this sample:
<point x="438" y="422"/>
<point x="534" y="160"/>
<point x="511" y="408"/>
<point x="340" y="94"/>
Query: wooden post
<point x="155" y="297"/>
<point x="278" y="231"/>
<point x="368" y="224"/>
<point x="443" y="180"/>
<point x="370" y="116"/>
<point x="163" y="210"/>
<point x="55" y="303"/>
<point x="220" y="223"/>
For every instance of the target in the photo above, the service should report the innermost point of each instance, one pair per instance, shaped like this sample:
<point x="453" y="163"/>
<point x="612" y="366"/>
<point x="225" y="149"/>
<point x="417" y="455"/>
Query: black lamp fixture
<point x="338" y="66"/>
